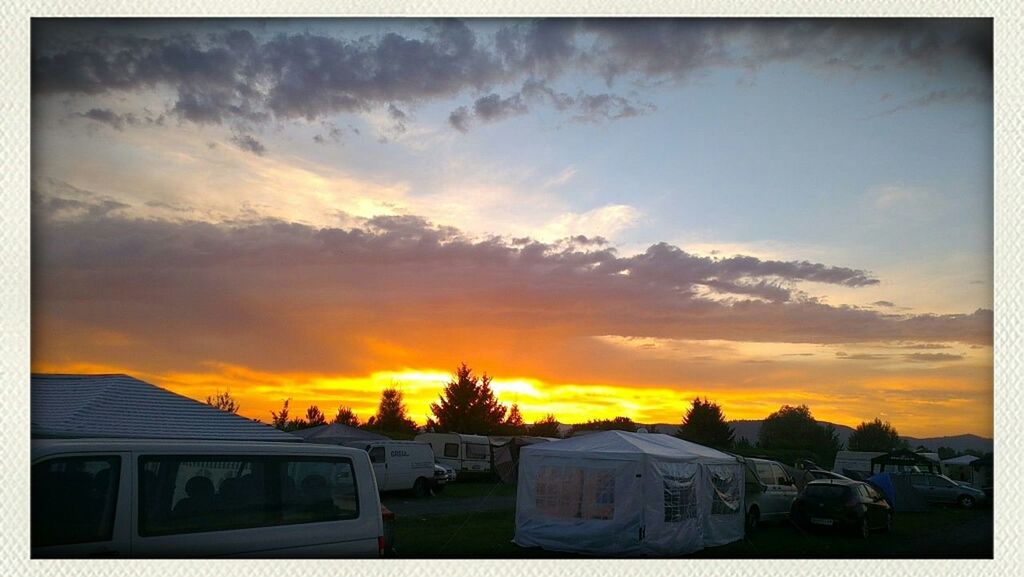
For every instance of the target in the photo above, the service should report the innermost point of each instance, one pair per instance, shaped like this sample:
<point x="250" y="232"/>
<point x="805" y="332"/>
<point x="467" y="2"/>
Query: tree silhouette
<point x="315" y="417"/>
<point x="514" y="424"/>
<point x="616" y="424"/>
<point x="467" y="405"/>
<point x="794" y="429"/>
<point x="546" y="427"/>
<point x="874" y="436"/>
<point x="280" y="420"/>
<point x="705" y="424"/>
<point x="223" y="402"/>
<point x="345" y="416"/>
<point x="392" y="413"/>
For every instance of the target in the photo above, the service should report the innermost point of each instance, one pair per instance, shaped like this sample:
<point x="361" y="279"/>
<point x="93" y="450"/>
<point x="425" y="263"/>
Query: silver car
<point x="942" y="489"/>
<point x="770" y="492"/>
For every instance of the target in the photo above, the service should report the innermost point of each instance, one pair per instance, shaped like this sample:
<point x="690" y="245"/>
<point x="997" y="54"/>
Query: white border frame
<point x="15" y="278"/>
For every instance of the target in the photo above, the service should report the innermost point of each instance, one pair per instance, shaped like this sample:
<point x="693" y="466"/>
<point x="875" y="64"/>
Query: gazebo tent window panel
<point x="680" y="488"/>
<point x="727" y="486"/>
<point x="575" y="493"/>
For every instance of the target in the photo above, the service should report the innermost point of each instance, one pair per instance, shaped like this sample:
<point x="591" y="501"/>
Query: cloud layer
<point x="242" y="78"/>
<point x="275" y="293"/>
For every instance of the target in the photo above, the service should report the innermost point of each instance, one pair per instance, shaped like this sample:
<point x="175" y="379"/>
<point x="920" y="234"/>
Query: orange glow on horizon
<point x="259" y="393"/>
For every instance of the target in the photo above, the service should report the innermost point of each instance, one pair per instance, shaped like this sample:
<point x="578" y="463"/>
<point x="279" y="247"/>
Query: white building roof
<point x="119" y="406"/>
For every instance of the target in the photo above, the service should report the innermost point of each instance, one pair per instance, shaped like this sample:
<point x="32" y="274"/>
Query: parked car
<point x="842" y="504"/>
<point x="401" y="465"/>
<point x="942" y="489"/>
<point x="823" y="474"/>
<point x="769" y="492"/>
<point x="188" y="498"/>
<point x="441" y="478"/>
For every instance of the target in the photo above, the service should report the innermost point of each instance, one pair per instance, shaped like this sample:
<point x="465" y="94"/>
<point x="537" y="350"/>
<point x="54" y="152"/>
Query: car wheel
<point x="753" y="520"/>
<point x="420" y="489"/>
<point x="888" y="523"/>
<point x="966" y="501"/>
<point x="864" y="530"/>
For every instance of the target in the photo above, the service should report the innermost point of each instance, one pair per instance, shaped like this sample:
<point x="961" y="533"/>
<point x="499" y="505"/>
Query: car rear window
<point x="826" y="491"/>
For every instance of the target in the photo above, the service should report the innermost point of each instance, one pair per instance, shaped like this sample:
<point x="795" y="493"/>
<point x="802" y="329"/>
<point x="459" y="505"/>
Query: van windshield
<point x="476" y="452"/>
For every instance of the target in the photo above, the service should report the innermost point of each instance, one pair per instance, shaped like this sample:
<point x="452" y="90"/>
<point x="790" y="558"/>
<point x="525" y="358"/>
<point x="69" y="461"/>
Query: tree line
<point x="467" y="405"/>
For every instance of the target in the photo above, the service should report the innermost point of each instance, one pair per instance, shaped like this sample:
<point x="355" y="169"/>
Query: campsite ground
<point x="477" y="520"/>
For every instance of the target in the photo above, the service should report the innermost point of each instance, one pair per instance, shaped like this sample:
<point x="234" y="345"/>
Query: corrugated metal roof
<point x="119" y="406"/>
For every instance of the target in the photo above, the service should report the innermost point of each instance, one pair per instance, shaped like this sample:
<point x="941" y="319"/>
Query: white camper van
<point x="186" y="498"/>
<point x="464" y="453"/>
<point x="400" y="465"/>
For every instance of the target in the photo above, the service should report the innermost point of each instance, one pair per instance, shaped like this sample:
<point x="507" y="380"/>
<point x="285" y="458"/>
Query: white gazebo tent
<point x="618" y="493"/>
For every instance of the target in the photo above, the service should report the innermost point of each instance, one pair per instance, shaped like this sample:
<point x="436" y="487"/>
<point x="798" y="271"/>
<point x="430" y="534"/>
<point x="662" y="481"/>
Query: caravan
<point x="463" y="453"/>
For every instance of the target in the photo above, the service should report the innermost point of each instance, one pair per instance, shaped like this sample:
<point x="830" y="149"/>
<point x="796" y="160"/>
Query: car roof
<point x="833" y="481"/>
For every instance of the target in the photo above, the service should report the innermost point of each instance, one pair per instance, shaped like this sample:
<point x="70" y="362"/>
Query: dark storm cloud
<point x="267" y="292"/>
<point x="238" y="77"/>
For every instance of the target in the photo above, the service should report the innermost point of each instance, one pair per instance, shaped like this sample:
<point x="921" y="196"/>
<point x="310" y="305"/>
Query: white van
<point x="464" y="453"/>
<point x="400" y="465"/>
<point x="186" y="498"/>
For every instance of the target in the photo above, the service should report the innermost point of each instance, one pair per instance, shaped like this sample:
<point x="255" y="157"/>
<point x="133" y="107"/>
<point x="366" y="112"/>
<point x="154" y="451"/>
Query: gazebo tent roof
<point x="119" y="406"/>
<point x="904" y="458"/>
<point x="336" y="434"/>
<point x="631" y="445"/>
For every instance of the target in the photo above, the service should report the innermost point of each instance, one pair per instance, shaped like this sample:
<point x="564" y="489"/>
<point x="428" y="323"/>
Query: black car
<point x="842" y="504"/>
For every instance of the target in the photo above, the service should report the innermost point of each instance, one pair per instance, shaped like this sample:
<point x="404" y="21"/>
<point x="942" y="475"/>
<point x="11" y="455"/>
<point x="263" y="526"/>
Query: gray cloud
<point x="238" y="77"/>
<point x="459" y="119"/>
<point x="972" y="94"/>
<point x="109" y="117"/>
<point x="249" y="143"/>
<point x="887" y="304"/>
<point x="933" y="357"/>
<point x="250" y="288"/>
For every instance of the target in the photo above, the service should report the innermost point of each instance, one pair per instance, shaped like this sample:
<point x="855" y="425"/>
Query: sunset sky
<point x="610" y="217"/>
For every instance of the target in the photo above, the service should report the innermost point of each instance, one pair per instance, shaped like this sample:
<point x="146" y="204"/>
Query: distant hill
<point x="751" y="428"/>
<point x="957" y="442"/>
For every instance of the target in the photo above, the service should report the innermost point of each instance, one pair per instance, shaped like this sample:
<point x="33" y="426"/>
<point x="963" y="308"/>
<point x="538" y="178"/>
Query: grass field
<point x="939" y="533"/>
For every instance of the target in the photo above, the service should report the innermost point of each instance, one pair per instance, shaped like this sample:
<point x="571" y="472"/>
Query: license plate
<point x="818" y="521"/>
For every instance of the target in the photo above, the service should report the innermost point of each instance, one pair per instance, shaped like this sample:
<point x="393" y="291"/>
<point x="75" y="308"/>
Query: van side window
<point x="451" y="450"/>
<point x="189" y="494"/>
<point x="74" y="500"/>
<point x="780" y="477"/>
<point x="764" y="472"/>
<point x="377" y="454"/>
<point x="318" y="490"/>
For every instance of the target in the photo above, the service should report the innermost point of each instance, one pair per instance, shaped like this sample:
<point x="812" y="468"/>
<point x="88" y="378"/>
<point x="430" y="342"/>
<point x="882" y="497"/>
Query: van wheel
<point x="420" y="488"/>
<point x="753" y="519"/>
